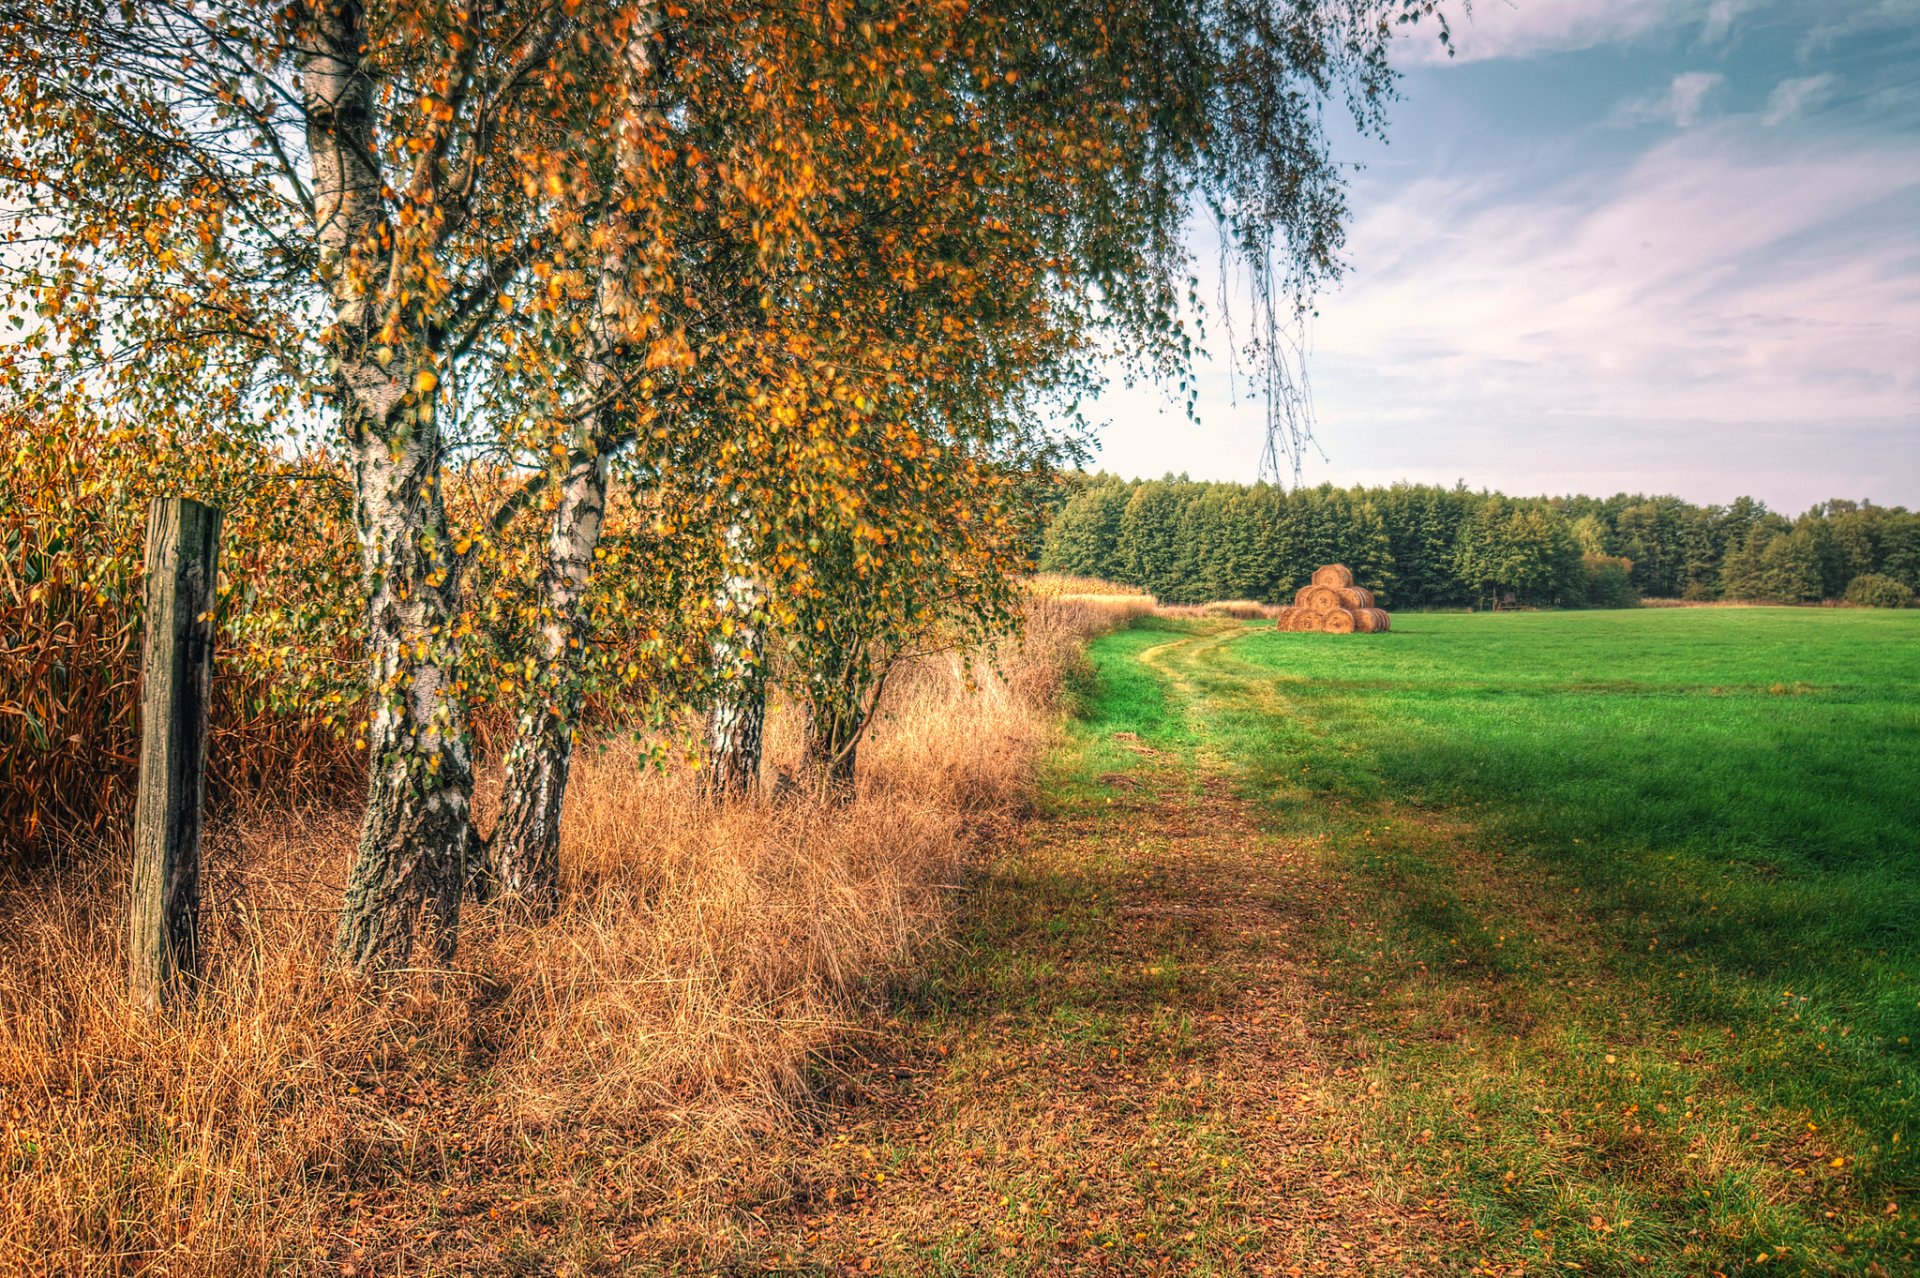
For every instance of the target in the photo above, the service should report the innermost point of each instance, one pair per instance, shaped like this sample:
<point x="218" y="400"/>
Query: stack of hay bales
<point x="1331" y="604"/>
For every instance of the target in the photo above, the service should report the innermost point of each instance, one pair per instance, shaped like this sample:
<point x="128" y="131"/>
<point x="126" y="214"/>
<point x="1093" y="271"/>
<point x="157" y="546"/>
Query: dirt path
<point x="1231" y="1006"/>
<point x="1127" y="1064"/>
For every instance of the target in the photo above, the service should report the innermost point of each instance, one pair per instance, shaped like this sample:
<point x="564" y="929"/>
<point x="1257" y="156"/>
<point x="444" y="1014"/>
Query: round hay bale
<point x="1356" y="597"/>
<point x="1335" y="575"/>
<point x="1282" y="617"/>
<point x="1304" y="621"/>
<point x="1364" y="622"/>
<point x="1381" y="621"/>
<point x="1319" y="598"/>
<point x="1338" y="622"/>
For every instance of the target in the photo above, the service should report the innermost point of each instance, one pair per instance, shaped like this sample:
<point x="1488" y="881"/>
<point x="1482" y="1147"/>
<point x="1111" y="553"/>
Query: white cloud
<point x="1681" y="103"/>
<point x="1835" y="22"/>
<point x="1709" y="290"/>
<point x="1718" y="24"/>
<point x="1790" y="97"/>
<point x="1734" y="312"/>
<point x="1534" y="28"/>
<point x="1529" y="28"/>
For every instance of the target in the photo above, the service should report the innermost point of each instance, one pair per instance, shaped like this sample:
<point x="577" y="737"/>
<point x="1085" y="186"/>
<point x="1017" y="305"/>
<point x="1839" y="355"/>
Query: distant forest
<point x="1417" y="546"/>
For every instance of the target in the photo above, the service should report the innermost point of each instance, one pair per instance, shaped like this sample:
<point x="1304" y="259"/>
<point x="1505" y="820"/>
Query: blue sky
<point x="1643" y="245"/>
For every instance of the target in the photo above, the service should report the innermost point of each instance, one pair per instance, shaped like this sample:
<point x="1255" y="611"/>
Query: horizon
<point x="1690" y="228"/>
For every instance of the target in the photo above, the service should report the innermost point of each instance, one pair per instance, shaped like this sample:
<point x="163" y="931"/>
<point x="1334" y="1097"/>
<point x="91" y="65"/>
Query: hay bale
<point x="1319" y="598"/>
<point x="1332" y="604"/>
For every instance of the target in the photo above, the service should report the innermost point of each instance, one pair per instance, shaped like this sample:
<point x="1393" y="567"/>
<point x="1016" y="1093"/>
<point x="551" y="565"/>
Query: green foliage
<point x="1083" y="537"/>
<point x="1521" y="554"/>
<point x="1422" y="546"/>
<point x="1874" y="590"/>
<point x="1609" y="581"/>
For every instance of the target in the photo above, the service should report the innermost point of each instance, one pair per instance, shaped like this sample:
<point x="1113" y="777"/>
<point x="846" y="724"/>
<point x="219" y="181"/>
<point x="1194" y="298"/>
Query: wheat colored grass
<point x="687" y="1002"/>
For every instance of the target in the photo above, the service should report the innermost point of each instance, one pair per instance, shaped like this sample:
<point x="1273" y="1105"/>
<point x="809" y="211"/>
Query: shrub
<point x="1874" y="590"/>
<point x="73" y="504"/>
<point x="1609" y="582"/>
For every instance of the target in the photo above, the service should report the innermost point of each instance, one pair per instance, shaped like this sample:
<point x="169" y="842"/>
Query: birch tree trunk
<point x="523" y="853"/>
<point x="523" y="864"/>
<point x="837" y="710"/>
<point x="830" y="750"/>
<point x="407" y="872"/>
<point x="736" y="720"/>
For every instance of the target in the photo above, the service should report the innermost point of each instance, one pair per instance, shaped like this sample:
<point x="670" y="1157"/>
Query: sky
<point x="1664" y="246"/>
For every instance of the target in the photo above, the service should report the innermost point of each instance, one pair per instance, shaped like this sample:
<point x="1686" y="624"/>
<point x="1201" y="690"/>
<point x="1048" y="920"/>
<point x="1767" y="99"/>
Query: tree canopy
<point x="805" y="293"/>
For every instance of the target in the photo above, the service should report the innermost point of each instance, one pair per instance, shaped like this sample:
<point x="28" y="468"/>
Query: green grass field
<point x="1499" y="945"/>
<point x="1630" y="928"/>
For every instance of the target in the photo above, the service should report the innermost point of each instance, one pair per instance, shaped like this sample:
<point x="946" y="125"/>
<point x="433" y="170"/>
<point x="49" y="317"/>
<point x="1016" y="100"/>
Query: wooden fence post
<point x="176" y="684"/>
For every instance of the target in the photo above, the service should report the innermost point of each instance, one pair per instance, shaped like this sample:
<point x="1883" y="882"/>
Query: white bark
<point x="736" y="718"/>
<point x="414" y="834"/>
<point x="524" y="852"/>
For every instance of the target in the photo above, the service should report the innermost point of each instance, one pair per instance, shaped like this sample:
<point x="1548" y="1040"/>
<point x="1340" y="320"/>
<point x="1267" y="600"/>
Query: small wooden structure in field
<point x="1332" y="604"/>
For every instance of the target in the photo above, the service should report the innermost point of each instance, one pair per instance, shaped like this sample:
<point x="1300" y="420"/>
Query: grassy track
<point x="1644" y="887"/>
<point x="1499" y="944"/>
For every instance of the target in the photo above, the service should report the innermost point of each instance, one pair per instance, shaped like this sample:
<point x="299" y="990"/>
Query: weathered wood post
<point x="176" y="685"/>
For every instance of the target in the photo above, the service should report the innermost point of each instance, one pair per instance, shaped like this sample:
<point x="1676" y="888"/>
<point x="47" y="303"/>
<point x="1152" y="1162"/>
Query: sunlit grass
<point x="1639" y="988"/>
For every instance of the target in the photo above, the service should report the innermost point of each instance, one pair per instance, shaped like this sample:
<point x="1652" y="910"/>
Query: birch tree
<point x="337" y="196"/>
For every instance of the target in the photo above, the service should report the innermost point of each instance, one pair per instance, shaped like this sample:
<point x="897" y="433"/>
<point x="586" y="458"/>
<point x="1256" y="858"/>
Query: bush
<point x="1609" y="582"/>
<point x="73" y="504"/>
<point x="1873" y="590"/>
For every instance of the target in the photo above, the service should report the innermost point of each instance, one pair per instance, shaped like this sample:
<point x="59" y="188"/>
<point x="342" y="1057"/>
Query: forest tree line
<point x="1424" y="546"/>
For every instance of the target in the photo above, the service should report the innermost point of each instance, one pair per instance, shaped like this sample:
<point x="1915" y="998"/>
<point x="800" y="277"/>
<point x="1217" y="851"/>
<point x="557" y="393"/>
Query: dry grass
<point x="1241" y="610"/>
<point x="1237" y="609"/>
<point x="1703" y="603"/>
<point x="628" y="1064"/>
<point x="1055" y="585"/>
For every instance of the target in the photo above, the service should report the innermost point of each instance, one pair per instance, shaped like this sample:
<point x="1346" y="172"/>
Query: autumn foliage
<point x="566" y="370"/>
<point x="71" y="522"/>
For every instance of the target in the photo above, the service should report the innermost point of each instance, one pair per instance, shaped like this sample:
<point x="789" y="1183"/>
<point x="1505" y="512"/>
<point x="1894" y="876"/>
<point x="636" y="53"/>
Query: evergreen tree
<point x="1422" y="546"/>
<point x="1368" y="549"/>
<point x="1790" y="570"/>
<point x="1743" y="574"/>
<point x="1900" y="548"/>
<point x="1084" y="537"/>
<point x="1148" y="546"/>
<point x="1702" y="548"/>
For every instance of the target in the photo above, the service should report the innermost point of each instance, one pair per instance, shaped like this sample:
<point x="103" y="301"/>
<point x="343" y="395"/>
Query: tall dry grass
<point x="1237" y="609"/>
<point x="591" y="1086"/>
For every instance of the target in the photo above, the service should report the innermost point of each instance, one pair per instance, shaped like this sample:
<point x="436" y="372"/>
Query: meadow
<point x="1497" y="944"/>
<point x="1620" y="924"/>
